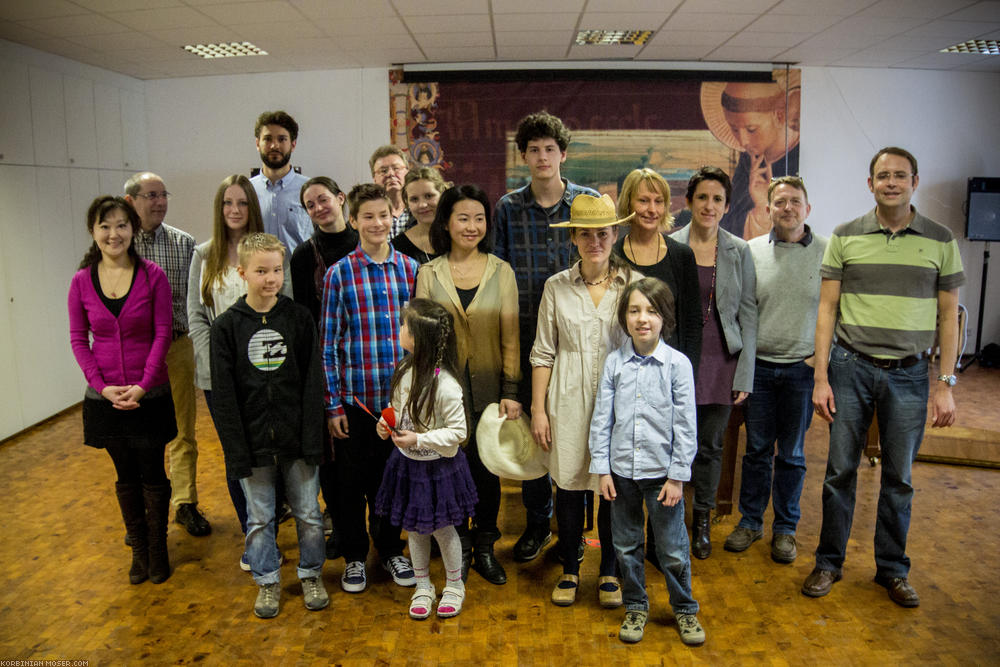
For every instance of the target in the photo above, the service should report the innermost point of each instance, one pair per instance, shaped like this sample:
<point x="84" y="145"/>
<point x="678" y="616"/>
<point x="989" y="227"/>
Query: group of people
<point x="364" y="377"/>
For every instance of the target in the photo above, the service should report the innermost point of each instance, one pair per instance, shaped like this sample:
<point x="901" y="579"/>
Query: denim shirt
<point x="281" y="209"/>
<point x="644" y="424"/>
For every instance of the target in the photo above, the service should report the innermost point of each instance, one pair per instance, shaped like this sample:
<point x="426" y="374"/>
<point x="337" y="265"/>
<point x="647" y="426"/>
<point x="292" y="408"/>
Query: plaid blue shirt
<point x="533" y="249"/>
<point x="171" y="249"/>
<point x="362" y="301"/>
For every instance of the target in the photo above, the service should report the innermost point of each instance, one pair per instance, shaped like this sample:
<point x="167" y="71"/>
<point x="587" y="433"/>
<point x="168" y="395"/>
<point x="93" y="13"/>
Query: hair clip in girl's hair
<point x="437" y="371"/>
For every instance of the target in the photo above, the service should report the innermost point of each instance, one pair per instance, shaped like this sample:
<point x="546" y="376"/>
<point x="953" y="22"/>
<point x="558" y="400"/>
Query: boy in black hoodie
<point x="267" y="383"/>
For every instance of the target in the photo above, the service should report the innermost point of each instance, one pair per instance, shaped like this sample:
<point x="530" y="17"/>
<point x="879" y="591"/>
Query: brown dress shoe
<point x="900" y="590"/>
<point x="819" y="582"/>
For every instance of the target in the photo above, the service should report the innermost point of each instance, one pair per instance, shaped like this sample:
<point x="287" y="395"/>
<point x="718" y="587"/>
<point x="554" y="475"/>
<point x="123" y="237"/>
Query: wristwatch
<point x="949" y="380"/>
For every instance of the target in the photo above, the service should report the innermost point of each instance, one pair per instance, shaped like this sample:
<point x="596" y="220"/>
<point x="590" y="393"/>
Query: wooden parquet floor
<point x="64" y="592"/>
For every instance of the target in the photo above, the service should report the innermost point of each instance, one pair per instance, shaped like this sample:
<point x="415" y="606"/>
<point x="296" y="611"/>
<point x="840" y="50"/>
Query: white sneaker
<point x="401" y="570"/>
<point x="354" y="579"/>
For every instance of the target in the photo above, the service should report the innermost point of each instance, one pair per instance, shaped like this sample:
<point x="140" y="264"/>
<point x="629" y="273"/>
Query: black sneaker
<point x="579" y="551"/>
<point x="188" y="516"/>
<point x="530" y="544"/>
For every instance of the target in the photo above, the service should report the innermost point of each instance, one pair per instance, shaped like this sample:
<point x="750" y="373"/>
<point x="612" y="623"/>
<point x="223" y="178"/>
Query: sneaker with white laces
<point x="691" y="631"/>
<point x="268" y="600"/>
<point x="314" y="594"/>
<point x="401" y="570"/>
<point x="354" y="579"/>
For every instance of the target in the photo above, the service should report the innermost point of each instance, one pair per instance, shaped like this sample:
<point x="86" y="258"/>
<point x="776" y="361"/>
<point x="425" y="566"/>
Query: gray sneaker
<point x="741" y="538"/>
<point x="314" y="593"/>
<point x="691" y="631"/>
<point x="633" y="626"/>
<point x="783" y="548"/>
<point x="268" y="599"/>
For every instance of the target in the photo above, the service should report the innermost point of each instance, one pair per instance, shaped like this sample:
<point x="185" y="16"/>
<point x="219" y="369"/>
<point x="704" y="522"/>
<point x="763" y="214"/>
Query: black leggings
<point x="569" y="520"/>
<point x="137" y="465"/>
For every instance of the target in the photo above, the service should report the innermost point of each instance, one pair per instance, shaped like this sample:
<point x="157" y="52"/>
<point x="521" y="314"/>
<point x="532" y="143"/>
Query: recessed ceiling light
<point x="230" y="50"/>
<point x="986" y="47"/>
<point x="604" y="37"/>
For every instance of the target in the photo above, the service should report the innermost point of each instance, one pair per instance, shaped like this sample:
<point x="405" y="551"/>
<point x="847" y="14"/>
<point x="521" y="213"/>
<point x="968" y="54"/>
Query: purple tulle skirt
<point x="422" y="496"/>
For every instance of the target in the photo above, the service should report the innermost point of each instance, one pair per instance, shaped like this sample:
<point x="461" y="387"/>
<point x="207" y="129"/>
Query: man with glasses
<point x="890" y="280"/>
<point x="277" y="184"/>
<point x="389" y="168"/>
<point x="787" y="262"/>
<point x="171" y="249"/>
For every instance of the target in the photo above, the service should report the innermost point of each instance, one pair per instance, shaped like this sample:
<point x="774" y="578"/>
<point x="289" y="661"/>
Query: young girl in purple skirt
<point x="427" y="487"/>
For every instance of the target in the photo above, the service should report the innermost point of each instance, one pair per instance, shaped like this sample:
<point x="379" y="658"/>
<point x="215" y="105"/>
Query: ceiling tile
<point x="117" y="41"/>
<point x="929" y="9"/>
<point x="622" y="21"/>
<point x="363" y="44"/>
<point x="511" y="22"/>
<point x="385" y="27"/>
<point x="709" y="39"/>
<point x="875" y="58"/>
<point x="86" y="24"/>
<point x="814" y="55"/>
<point x="941" y="60"/>
<point x="539" y="38"/>
<point x="713" y="22"/>
<point x="878" y="27"/>
<point x="252" y="12"/>
<point x="162" y="19"/>
<point x="344" y="9"/>
<point x="724" y="6"/>
<point x="952" y="31"/>
<point x="460" y="53"/>
<point x="673" y="52"/>
<point x="801" y="23"/>
<point x="828" y="7"/>
<point x="215" y="34"/>
<point x="17" y="32"/>
<point x="531" y="52"/>
<point x="102" y="6"/>
<point x="440" y="7"/>
<point x="262" y="33"/>
<point x="981" y="11"/>
<point x="452" y="40"/>
<point x="782" y="40"/>
<point x="655" y="6"/>
<point x="37" y="9"/>
<point x="533" y="6"/>
<point x="745" y="53"/>
<point x="458" y="23"/>
<point x="152" y="55"/>
<point x="396" y="55"/>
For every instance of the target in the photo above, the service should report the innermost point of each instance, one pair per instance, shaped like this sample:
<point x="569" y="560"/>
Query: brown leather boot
<point x="134" y="515"/>
<point x="157" y="500"/>
<point x="701" y="539"/>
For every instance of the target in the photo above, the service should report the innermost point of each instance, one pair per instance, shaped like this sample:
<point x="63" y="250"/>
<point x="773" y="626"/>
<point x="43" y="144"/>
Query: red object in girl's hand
<point x="389" y="415"/>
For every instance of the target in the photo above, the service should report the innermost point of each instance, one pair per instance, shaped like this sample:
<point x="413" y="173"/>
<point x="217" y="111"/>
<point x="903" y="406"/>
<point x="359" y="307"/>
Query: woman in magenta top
<point x="120" y="321"/>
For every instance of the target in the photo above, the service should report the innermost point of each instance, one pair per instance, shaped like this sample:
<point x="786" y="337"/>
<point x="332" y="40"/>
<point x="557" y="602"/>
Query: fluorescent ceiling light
<point x="230" y="50"/>
<point x="986" y="47"/>
<point x="605" y="37"/>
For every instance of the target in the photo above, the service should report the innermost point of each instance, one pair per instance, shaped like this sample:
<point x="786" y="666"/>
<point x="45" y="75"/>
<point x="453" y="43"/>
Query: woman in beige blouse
<point x="479" y="290"/>
<point x="577" y="327"/>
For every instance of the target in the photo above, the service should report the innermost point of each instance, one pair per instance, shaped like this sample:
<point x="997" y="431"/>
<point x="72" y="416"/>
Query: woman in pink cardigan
<point x="120" y="329"/>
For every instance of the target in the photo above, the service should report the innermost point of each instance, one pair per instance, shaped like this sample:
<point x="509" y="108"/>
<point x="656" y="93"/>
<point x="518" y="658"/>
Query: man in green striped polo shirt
<point x="890" y="282"/>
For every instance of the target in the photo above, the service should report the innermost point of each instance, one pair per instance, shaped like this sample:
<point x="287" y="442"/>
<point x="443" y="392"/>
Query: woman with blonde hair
<point x="214" y="285"/>
<point x="422" y="189"/>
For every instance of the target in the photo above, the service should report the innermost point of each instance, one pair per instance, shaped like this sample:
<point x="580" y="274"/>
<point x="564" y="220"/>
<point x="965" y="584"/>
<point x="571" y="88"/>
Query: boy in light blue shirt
<point x="642" y="442"/>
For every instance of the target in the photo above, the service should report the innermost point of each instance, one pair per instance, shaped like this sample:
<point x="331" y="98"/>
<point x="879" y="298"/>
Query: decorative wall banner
<point x="751" y="130"/>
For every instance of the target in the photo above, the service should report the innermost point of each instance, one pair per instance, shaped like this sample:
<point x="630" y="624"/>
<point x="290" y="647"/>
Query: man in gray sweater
<point x="787" y="263"/>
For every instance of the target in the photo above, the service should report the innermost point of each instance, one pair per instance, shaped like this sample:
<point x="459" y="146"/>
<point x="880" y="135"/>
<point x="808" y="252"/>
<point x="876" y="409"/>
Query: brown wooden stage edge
<point x="65" y="592"/>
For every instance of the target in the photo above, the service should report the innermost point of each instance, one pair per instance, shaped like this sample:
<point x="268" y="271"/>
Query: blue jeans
<point x="671" y="544"/>
<point x="899" y="399"/>
<point x="779" y="409"/>
<point x="302" y="489"/>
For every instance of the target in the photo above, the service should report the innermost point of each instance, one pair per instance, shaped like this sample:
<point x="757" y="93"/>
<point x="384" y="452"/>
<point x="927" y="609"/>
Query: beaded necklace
<point x="711" y="294"/>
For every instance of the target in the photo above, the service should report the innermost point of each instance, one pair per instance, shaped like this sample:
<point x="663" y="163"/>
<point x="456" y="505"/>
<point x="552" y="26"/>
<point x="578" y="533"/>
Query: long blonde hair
<point x="217" y="260"/>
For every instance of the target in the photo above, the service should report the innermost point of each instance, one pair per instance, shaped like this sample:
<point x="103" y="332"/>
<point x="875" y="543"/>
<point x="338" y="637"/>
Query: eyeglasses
<point x="385" y="171"/>
<point x="894" y="175"/>
<point x="153" y="196"/>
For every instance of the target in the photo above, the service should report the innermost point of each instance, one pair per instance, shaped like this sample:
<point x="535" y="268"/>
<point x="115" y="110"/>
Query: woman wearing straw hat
<point x="577" y="327"/>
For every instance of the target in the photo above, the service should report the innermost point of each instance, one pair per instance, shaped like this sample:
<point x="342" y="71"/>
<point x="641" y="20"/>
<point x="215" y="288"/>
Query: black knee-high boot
<point x="133" y="508"/>
<point x="157" y="500"/>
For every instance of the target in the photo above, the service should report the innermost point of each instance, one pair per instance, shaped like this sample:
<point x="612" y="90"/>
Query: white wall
<point x="948" y="120"/>
<point x="201" y="130"/>
<point x="69" y="133"/>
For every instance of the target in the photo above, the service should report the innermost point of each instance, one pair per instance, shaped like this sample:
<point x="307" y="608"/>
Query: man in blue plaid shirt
<point x="536" y="251"/>
<point x="363" y="296"/>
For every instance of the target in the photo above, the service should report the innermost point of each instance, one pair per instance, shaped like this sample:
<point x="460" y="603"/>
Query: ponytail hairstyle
<point x="98" y="211"/>
<point x="434" y="350"/>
